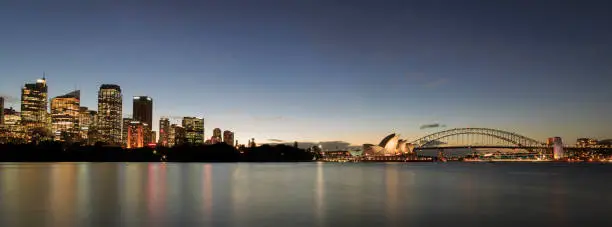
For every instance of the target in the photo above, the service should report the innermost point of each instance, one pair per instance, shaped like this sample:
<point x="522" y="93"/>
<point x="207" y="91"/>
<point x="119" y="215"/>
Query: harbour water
<point x="305" y="194"/>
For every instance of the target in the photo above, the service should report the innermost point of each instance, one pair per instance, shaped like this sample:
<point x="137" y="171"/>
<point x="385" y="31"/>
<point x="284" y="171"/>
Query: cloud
<point x="436" y="83"/>
<point x="276" y="140"/>
<point x="435" y="125"/>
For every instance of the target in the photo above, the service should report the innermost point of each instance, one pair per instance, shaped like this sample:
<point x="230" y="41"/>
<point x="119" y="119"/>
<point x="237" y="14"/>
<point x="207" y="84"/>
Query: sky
<point x="323" y="70"/>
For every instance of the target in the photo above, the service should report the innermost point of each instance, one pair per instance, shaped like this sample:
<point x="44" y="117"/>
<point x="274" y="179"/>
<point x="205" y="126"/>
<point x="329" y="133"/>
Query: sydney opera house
<point x="390" y="145"/>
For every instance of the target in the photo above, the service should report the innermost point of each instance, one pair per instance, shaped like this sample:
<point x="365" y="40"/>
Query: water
<point x="305" y="194"/>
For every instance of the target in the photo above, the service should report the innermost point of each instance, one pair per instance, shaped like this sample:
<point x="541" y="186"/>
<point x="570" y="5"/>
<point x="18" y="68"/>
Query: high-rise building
<point x="1" y="110"/>
<point x="12" y="131"/>
<point x="87" y="121"/>
<point x="176" y="136"/>
<point x="194" y="130"/>
<point x="153" y="137"/>
<point x="124" y="130"/>
<point x="164" y="130"/>
<point x="216" y="138"/>
<point x="228" y="137"/>
<point x="34" y="105"/>
<point x="143" y="111"/>
<point x="109" y="113"/>
<point x="65" y="116"/>
<point x="135" y="134"/>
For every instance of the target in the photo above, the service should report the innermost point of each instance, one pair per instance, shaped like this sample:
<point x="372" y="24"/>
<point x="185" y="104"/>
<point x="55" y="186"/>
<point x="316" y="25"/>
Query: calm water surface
<point x="305" y="194"/>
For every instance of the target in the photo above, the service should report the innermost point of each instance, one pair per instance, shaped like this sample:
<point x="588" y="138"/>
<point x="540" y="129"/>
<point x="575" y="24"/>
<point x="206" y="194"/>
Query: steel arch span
<point x="510" y="137"/>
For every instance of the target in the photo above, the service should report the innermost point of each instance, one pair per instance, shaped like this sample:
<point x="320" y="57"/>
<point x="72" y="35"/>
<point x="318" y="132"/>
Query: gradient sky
<point x="323" y="70"/>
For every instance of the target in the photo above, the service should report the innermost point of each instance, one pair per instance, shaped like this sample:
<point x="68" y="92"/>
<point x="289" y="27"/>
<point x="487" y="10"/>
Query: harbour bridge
<point x="458" y="138"/>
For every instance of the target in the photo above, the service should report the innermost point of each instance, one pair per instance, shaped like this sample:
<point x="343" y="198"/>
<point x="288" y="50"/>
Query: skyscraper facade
<point x="87" y="121"/>
<point x="124" y="130"/>
<point x="135" y="134"/>
<point x="164" y="130"/>
<point x="110" y="103"/>
<point x="34" y="105"/>
<point x="228" y="137"/>
<point x="216" y="138"/>
<point x="65" y="116"/>
<point x="194" y="130"/>
<point x="143" y="109"/>
<point x="176" y="136"/>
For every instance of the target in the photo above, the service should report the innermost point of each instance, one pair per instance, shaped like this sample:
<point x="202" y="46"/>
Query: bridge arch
<point x="510" y="137"/>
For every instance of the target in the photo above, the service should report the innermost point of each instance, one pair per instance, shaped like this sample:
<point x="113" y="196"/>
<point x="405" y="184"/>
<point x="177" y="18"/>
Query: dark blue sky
<point x="320" y="70"/>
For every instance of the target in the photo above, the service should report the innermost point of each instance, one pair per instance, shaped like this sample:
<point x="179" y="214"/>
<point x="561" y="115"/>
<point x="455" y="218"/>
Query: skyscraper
<point x="176" y="136"/>
<point x="65" y="116"/>
<point x="87" y="121"/>
<point x="1" y="111"/>
<point x="153" y="137"/>
<point x="34" y="105"/>
<point x="194" y="130"/>
<point x="164" y="129"/>
<point x="110" y="103"/>
<point x="142" y="110"/>
<point x="216" y="138"/>
<point x="124" y="130"/>
<point x="228" y="137"/>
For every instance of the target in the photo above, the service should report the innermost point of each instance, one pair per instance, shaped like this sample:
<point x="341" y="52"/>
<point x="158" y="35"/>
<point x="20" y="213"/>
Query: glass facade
<point x="164" y="130"/>
<point x="135" y="134"/>
<point x="176" y="136"/>
<point x="34" y="105"/>
<point x="194" y="130"/>
<point x="65" y="114"/>
<point x="110" y="103"/>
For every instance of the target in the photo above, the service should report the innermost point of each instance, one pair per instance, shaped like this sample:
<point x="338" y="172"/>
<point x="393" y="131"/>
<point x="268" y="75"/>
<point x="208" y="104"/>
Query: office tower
<point x="194" y="130"/>
<point x="65" y="116"/>
<point x="34" y="105"/>
<point x="12" y="131"/>
<point x="1" y="111"/>
<point x="143" y="111"/>
<point x="176" y="136"/>
<point x="135" y="134"/>
<point x="87" y="121"/>
<point x="109" y="113"/>
<point x="164" y="130"/>
<point x="124" y="130"/>
<point x="228" y="137"/>
<point x="216" y="138"/>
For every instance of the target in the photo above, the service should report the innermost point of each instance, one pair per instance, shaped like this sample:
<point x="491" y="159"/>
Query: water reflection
<point x="310" y="194"/>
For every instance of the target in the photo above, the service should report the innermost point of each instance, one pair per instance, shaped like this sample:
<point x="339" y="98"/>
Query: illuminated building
<point x="164" y="130"/>
<point x="558" y="152"/>
<point x="216" y="138"/>
<point x="124" y="130"/>
<point x="65" y="116"/>
<point x="1" y="111"/>
<point x="142" y="110"/>
<point x="34" y="105"/>
<point x="12" y="131"/>
<point x="153" y="137"/>
<point x="388" y="146"/>
<point x="194" y="130"/>
<point x="135" y="135"/>
<point x="109" y="113"/>
<point x="176" y="136"/>
<point x="87" y="121"/>
<point x="228" y="137"/>
<point x="586" y="142"/>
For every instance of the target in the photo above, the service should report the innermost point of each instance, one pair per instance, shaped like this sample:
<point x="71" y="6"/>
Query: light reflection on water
<point x="302" y="194"/>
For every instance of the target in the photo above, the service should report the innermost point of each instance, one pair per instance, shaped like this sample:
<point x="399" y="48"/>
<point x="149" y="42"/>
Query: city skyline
<point x="542" y="74"/>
